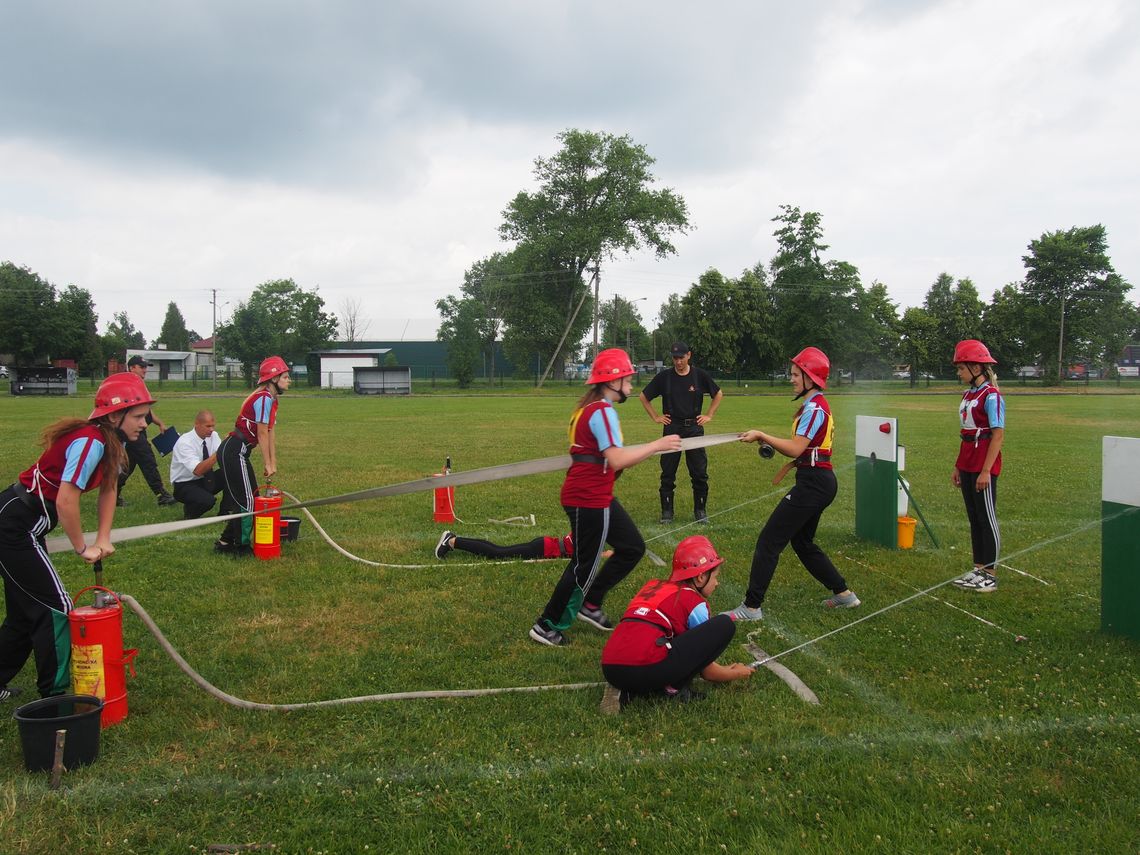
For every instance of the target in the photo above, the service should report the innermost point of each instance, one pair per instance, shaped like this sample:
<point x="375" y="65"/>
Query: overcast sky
<point x="151" y="152"/>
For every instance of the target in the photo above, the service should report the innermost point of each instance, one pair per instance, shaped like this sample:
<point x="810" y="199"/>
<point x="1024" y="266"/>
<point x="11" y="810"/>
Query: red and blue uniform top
<point x="980" y="412"/>
<point x="260" y="408"/>
<point x="590" y="480"/>
<point x="659" y="610"/>
<point x="813" y="420"/>
<point x="71" y="459"/>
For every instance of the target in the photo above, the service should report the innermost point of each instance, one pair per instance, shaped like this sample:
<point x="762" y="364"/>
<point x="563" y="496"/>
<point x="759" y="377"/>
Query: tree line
<point x="595" y="200"/>
<point x="39" y="322"/>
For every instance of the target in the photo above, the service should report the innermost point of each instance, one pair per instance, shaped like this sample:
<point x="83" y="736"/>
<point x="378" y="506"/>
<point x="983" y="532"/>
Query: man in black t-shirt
<point x="682" y="389"/>
<point x="139" y="452"/>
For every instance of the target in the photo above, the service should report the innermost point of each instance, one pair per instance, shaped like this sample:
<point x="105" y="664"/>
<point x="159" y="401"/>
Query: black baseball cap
<point x="137" y="360"/>
<point x="679" y="348"/>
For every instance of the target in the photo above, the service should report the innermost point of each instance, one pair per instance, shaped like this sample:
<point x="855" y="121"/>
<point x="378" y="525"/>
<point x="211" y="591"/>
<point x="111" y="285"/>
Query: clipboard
<point x="164" y="442"/>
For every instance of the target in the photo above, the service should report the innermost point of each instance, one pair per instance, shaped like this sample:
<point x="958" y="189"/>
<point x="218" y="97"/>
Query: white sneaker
<point x="743" y="612"/>
<point x="983" y="581"/>
<point x="967" y="580"/>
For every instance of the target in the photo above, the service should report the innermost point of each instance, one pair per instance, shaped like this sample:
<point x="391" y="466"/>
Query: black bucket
<point x="290" y="528"/>
<point x="39" y="720"/>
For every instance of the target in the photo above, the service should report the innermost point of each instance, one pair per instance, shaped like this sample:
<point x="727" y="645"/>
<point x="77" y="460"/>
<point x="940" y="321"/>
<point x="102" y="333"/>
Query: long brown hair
<point x="594" y="393"/>
<point x="114" y="455"/>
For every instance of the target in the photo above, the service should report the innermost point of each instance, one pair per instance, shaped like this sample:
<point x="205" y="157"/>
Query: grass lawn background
<point x="936" y="732"/>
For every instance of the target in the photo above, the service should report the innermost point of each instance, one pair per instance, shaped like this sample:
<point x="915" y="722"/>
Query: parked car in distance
<point x="4" y="371"/>
<point x="901" y="375"/>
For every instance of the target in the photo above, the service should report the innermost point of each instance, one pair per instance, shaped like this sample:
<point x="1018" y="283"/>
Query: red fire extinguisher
<point x="444" y="498"/>
<point x="98" y="661"/>
<point x="267" y="523"/>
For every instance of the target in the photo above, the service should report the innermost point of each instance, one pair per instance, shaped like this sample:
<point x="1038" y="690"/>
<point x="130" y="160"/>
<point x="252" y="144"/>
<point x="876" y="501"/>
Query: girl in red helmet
<point x="981" y="416"/>
<point x="79" y="455"/>
<point x="254" y="428"/>
<point x="668" y="636"/>
<point x="797" y="516"/>
<point x="596" y="516"/>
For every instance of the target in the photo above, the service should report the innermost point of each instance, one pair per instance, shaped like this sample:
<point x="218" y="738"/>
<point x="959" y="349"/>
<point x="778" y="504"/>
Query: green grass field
<point x="936" y="731"/>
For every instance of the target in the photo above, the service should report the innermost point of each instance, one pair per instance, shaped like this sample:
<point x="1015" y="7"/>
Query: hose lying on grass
<point x="211" y="689"/>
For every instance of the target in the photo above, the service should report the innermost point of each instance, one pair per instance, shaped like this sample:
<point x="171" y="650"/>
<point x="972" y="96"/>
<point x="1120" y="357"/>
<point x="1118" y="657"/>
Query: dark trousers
<point x="697" y="462"/>
<point x="531" y="549"/>
<point x="36" y="603"/>
<point x="239" y="486"/>
<point x="981" y="510"/>
<point x="140" y="454"/>
<point x="795" y="520"/>
<point x="689" y="653"/>
<point x="586" y="578"/>
<point x="198" y="494"/>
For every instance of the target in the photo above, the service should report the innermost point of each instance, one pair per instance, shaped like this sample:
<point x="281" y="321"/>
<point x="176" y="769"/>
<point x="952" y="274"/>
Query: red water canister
<point x="444" y="510"/>
<point x="98" y="661"/>
<point x="267" y="523"/>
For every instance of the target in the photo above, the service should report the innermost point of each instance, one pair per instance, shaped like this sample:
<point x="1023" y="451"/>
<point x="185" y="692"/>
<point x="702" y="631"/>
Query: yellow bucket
<point x="906" y="532"/>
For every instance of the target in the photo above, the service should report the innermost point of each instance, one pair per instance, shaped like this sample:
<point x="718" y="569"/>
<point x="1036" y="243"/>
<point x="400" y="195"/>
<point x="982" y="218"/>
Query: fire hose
<point x="421" y="485"/>
<point x="477" y="476"/>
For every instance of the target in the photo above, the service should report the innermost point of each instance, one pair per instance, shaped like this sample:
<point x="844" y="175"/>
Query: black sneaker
<point x="223" y="546"/>
<point x="165" y="499"/>
<point x="549" y="637"/>
<point x="667" y="515"/>
<point x="8" y="692"/>
<point x="700" y="516"/>
<point x="443" y="547"/>
<point x="120" y="502"/>
<point x="596" y="618"/>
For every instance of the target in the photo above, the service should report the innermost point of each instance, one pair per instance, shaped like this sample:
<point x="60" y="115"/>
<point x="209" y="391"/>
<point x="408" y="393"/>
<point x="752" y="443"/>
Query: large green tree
<point x="814" y="300"/>
<point x="728" y="322"/>
<point x="956" y="311"/>
<point x="594" y="201"/>
<point x="29" y="323"/>
<point x="1070" y="276"/>
<point x="78" y="330"/>
<point x="871" y="339"/>
<point x="120" y="336"/>
<point x="280" y="318"/>
<point x="174" y="333"/>
<point x="622" y="327"/>
<point x="477" y="313"/>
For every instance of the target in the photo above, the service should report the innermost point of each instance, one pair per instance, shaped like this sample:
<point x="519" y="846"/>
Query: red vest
<point x="84" y="469"/>
<point x="590" y="484"/>
<point x="660" y="609"/>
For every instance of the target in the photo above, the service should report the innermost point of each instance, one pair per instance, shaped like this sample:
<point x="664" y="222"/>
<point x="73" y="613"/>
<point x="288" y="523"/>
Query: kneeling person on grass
<point x="666" y="636"/>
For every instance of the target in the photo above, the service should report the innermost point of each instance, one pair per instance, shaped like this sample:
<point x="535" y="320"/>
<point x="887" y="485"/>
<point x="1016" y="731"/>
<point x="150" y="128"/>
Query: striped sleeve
<point x="810" y="421"/>
<point x="263" y="409"/>
<point x="81" y="457"/>
<point x="605" y="428"/>
<point x="698" y="616"/>
<point x="995" y="410"/>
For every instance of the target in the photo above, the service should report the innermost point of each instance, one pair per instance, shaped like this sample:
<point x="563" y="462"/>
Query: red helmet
<point x="814" y="363"/>
<point x="273" y="366"/>
<point x="120" y="392"/>
<point x="693" y="556"/>
<point x="972" y="350"/>
<point x="610" y="364"/>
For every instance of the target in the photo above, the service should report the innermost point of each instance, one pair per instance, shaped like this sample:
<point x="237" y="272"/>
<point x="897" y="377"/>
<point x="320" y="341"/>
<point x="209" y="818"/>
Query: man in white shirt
<point x="196" y="481"/>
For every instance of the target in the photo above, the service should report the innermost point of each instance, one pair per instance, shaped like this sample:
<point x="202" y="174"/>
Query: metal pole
<point x="214" y="338"/>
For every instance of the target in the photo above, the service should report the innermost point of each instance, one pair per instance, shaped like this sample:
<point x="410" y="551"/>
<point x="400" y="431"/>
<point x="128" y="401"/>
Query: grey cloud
<point x="253" y="90"/>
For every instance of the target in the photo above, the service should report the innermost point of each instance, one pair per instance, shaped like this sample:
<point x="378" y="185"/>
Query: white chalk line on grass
<point x="438" y="770"/>
<point x="925" y="592"/>
<point x="1016" y="636"/>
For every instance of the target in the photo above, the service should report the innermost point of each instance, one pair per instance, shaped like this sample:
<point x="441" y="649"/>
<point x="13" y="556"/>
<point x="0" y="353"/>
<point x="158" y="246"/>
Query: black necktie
<point x="205" y="450"/>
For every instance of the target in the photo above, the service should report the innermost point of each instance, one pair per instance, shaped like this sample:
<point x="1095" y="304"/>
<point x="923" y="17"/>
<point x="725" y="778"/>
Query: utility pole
<point x="214" y="340"/>
<point x="597" y="282"/>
